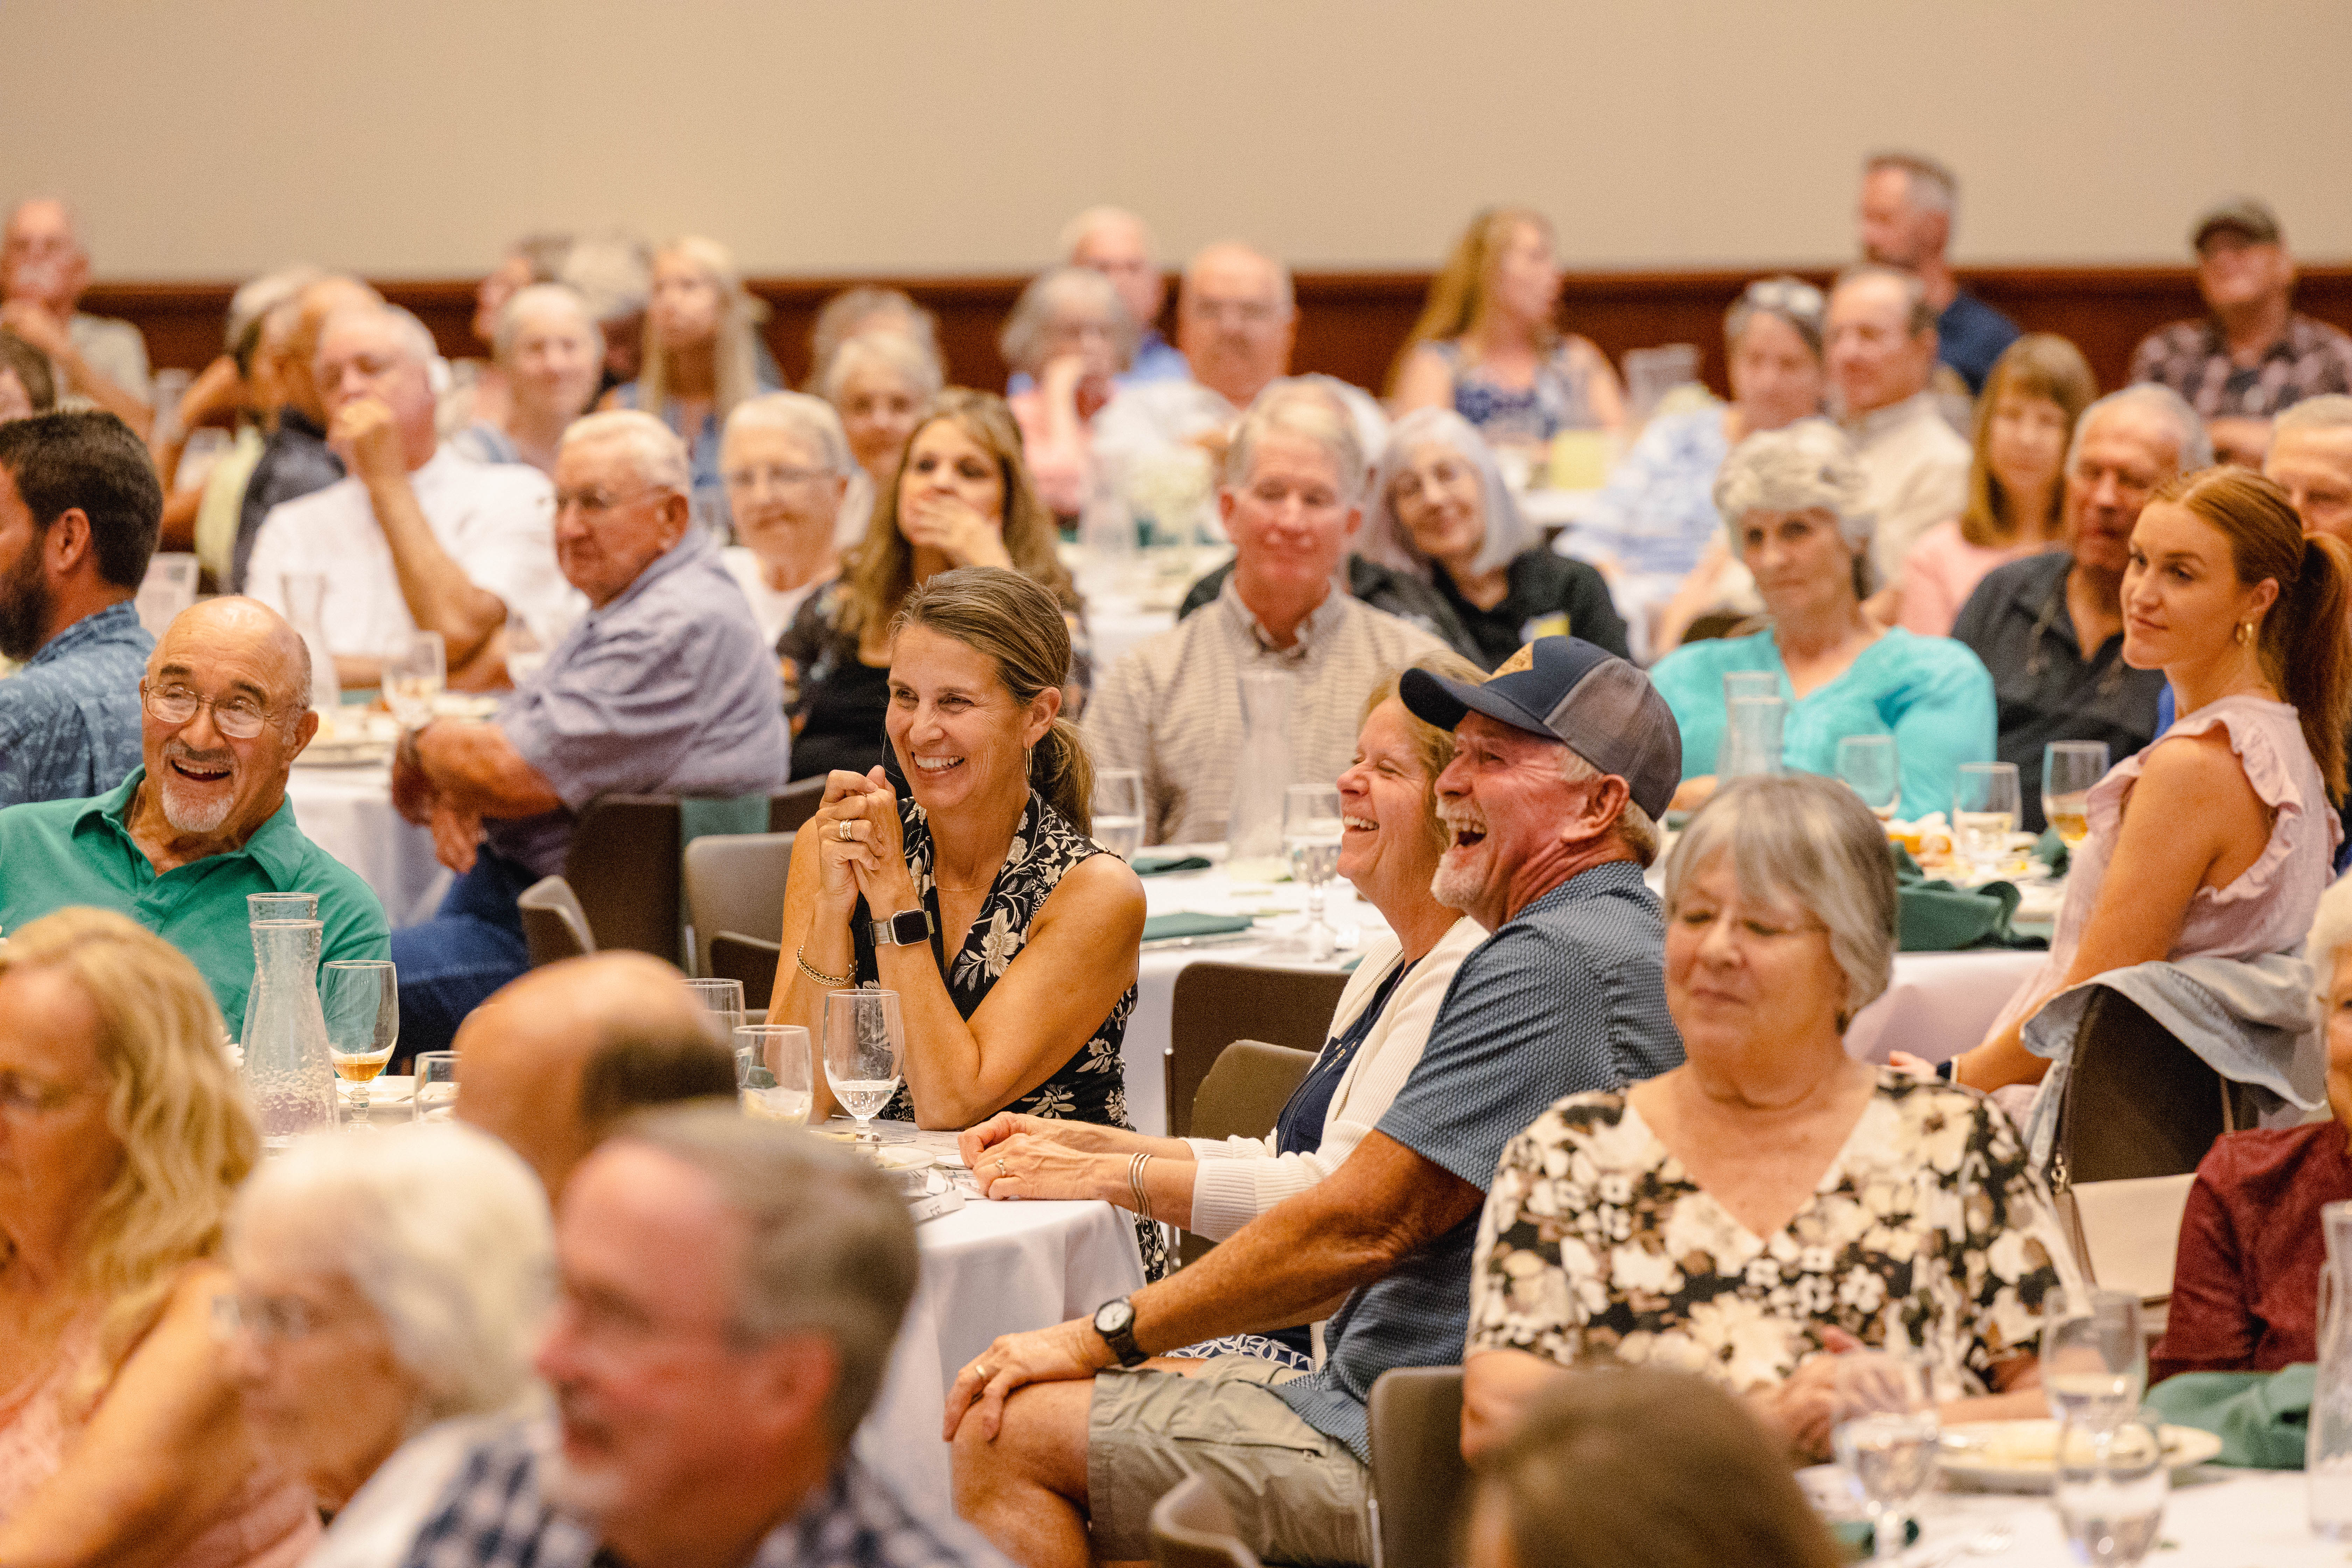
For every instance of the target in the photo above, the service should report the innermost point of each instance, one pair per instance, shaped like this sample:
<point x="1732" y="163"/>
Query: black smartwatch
<point x="1114" y="1322"/>
<point x="907" y="928"/>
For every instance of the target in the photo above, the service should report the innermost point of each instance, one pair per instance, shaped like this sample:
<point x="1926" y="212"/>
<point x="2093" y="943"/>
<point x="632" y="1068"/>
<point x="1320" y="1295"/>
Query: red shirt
<point x="2245" y="1283"/>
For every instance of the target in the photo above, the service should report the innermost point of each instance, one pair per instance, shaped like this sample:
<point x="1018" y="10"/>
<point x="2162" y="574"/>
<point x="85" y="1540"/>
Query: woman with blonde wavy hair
<point x="1488" y="345"/>
<point x="963" y="497"/>
<point x="123" y="1134"/>
<point x="701" y="358"/>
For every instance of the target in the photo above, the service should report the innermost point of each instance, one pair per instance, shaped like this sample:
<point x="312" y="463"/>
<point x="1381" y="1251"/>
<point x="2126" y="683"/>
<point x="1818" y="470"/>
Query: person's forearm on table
<point x="948" y="1076"/>
<point x="441" y="598"/>
<point x="475" y="769"/>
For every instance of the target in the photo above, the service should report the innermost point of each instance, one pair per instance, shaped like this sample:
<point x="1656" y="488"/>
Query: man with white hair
<point x="1293" y="497"/>
<point x="2050" y="628"/>
<point x="2253" y="355"/>
<point x="1117" y="244"/>
<point x="1908" y="203"/>
<point x="417" y="537"/>
<point x="728" y="1294"/>
<point x="665" y="688"/>
<point x="1237" y="319"/>
<point x="1880" y="332"/>
<point x="43" y="271"/>
<point x="2311" y="460"/>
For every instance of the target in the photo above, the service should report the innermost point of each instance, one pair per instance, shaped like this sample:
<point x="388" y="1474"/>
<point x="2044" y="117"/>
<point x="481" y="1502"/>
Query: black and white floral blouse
<point x="1092" y="1085"/>
<point x="1927" y="1230"/>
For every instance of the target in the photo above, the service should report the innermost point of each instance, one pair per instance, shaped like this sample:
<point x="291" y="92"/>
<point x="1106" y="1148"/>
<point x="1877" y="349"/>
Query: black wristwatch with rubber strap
<point x="1114" y="1322"/>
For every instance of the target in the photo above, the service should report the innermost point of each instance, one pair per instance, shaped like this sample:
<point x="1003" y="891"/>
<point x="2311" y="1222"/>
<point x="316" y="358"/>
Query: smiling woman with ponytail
<point x="2218" y="839"/>
<point x="1018" y="996"/>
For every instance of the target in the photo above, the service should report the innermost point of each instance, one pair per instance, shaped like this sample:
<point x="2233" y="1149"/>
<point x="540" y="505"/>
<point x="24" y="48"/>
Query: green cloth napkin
<point x="2262" y="1417"/>
<point x="1937" y="916"/>
<point x="1159" y="928"/>
<point x="1161" y="865"/>
<point x="2050" y="851"/>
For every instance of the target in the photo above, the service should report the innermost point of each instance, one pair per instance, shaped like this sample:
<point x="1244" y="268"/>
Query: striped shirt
<point x="1170" y="708"/>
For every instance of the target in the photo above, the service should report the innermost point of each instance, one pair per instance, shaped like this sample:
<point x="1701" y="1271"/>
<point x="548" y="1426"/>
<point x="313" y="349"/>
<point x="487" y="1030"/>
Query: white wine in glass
<point x="864" y="1052"/>
<point x="414" y="676"/>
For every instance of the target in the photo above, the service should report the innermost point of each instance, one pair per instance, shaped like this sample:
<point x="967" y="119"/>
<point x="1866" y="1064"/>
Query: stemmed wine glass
<point x="1310" y="837"/>
<point x="414" y="675"/>
<point x="2109" y="1485"/>
<point x="361" y="999"/>
<point x="2069" y="769"/>
<point x="864" y="1052"/>
<point x="1885" y="1438"/>
<point x="1867" y="765"/>
<point x="1118" y="811"/>
<point x="723" y="999"/>
<point x="2094" y="1360"/>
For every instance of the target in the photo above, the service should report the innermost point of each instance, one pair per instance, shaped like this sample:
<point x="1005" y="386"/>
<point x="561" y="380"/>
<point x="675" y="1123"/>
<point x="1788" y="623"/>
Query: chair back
<point x="1214" y="1004"/>
<point x="751" y="960"/>
<point x="2138" y="1101"/>
<point x="553" y="926"/>
<point x="2126" y="1232"/>
<point x="1193" y="1528"/>
<point x="624" y="865"/>
<point x="795" y="805"/>
<point x="1241" y="1098"/>
<point x="735" y="881"/>
<point x="1418" y="1474"/>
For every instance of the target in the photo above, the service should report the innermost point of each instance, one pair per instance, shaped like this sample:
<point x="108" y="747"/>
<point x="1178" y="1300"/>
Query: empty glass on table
<point x="1310" y="837"/>
<point x="1751" y="737"/>
<point x="1867" y="765"/>
<point x="778" y="1082"/>
<point x="1118" y="811"/>
<point x="864" y="1052"/>
<point x="2108" y="1486"/>
<point x="2095" y="1359"/>
<point x="723" y="1000"/>
<point x="436" y="1086"/>
<point x="1885" y="1438"/>
<point x="2069" y="769"/>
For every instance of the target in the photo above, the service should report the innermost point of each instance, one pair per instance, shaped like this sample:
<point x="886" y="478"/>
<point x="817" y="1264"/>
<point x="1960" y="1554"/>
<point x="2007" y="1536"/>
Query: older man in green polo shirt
<point x="205" y="819"/>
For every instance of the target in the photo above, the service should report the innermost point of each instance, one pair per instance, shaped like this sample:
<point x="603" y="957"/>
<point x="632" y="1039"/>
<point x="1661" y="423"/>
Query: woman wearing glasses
<point x="125" y="1135"/>
<point x="788" y="468"/>
<point x="1654" y="530"/>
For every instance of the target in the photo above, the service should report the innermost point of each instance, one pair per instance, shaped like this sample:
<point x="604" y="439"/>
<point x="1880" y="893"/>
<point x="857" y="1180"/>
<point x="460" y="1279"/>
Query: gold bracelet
<point x="831" y="981"/>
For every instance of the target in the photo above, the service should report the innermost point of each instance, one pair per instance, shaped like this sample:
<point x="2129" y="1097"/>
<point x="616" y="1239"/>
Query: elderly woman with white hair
<point x="1763" y="1162"/>
<point x="1069" y="334"/>
<point x="1793" y="505"/>
<point x="882" y="383"/>
<point x="549" y="355"/>
<point x="1441" y="512"/>
<point x="788" y="469"/>
<point x="387" y="1294"/>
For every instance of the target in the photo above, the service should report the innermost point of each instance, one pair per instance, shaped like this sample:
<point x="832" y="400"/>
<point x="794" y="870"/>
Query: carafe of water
<point x="1261" y="774"/>
<point x="288" y="1076"/>
<point x="2327" y="1452"/>
<point x="305" y="599"/>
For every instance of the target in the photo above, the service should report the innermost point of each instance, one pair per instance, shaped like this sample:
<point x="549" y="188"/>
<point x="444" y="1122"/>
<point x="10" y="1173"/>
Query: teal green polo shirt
<point x="57" y="853"/>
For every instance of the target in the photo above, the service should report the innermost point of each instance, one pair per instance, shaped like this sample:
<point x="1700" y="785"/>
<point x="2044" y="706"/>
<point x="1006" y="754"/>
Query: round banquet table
<point x="346" y="810"/>
<point x="989" y="1268"/>
<point x="1937" y="1004"/>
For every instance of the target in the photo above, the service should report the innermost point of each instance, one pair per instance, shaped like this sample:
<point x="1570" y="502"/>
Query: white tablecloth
<point x="347" y="812"/>
<point x="1939" y="1003"/>
<point x="989" y="1268"/>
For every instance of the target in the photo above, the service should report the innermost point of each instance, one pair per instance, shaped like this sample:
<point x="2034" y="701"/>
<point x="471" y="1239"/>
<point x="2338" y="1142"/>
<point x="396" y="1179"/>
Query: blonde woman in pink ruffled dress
<point x="2217" y="840"/>
<point x="123" y="1136"/>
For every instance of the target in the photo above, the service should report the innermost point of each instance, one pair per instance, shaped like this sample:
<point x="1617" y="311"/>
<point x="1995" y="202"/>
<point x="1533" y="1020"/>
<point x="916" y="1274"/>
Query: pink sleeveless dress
<point x="271" y="1523"/>
<point x="2268" y="907"/>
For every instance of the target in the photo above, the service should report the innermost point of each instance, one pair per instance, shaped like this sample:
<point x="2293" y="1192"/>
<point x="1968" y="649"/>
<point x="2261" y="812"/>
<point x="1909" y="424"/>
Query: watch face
<point x="1114" y="1318"/>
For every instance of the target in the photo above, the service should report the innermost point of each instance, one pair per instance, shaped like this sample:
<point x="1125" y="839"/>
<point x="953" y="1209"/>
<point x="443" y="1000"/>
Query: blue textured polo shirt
<point x="70" y="719"/>
<point x="67" y="852"/>
<point x="1568" y="995"/>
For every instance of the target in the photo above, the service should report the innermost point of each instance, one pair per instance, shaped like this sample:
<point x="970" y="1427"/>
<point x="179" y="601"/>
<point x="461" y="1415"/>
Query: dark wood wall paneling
<point x="1349" y="323"/>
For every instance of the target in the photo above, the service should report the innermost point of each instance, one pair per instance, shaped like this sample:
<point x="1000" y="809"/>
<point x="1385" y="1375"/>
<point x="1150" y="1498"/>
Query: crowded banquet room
<point x="1562" y="699"/>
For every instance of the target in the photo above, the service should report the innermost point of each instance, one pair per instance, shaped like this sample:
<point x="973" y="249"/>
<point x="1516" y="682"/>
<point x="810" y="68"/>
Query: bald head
<point x="551" y="1062"/>
<point x="237" y="665"/>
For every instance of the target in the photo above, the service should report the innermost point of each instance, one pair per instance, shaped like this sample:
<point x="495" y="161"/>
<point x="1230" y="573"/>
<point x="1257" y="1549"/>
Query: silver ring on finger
<point x="1001" y="1170"/>
<point x="843" y="830"/>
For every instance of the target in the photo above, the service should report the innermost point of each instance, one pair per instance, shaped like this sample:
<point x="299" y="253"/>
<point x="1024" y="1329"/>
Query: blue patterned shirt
<point x="1656" y="514"/>
<point x="495" y="1515"/>
<point x="1568" y="995"/>
<point x="69" y="720"/>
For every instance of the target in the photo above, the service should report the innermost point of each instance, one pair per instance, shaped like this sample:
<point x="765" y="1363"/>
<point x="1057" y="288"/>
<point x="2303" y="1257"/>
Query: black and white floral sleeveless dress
<point x="1092" y="1085"/>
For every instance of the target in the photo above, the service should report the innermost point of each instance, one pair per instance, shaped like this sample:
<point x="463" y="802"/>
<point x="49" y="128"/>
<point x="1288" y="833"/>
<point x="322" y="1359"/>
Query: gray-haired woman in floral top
<point x="1771" y="1201"/>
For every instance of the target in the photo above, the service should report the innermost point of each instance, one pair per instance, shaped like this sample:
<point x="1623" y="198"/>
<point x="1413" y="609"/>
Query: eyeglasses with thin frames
<point x="236" y="717"/>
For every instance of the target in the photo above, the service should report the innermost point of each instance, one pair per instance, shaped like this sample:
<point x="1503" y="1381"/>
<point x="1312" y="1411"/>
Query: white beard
<point x="1455" y="887"/>
<point x="195" y="816"/>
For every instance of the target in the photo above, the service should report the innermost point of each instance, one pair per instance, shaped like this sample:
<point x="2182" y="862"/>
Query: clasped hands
<point x="861" y="850"/>
<point x="1015" y="1156"/>
<point x="457" y="833"/>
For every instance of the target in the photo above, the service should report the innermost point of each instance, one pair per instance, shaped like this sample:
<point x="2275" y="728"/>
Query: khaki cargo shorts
<point x="1297" y="1496"/>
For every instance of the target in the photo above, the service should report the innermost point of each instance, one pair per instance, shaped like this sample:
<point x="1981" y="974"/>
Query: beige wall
<point x="211" y="138"/>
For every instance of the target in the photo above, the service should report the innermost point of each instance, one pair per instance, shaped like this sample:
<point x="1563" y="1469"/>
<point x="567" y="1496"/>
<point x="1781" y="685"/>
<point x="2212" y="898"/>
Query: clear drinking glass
<point x="1867" y="765"/>
<point x="414" y="676"/>
<point x="360" y="998"/>
<point x="1751" y="737"/>
<point x="1118" y="811"/>
<point x="774" y="1065"/>
<point x="2069" y="769"/>
<point x="281" y="905"/>
<point x="1310" y="837"/>
<point x="1984" y="813"/>
<point x="864" y="1052"/>
<point x="1750" y="683"/>
<point x="2109" y="1488"/>
<point x="2094" y="1360"/>
<point x="436" y="1085"/>
<point x="723" y="999"/>
<point x="1885" y="1439"/>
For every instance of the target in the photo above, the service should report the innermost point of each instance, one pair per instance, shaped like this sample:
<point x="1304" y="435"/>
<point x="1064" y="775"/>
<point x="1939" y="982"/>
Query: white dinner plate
<point x="2015" y="1456"/>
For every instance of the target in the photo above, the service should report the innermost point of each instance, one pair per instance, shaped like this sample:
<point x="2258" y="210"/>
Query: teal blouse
<point x="1932" y="694"/>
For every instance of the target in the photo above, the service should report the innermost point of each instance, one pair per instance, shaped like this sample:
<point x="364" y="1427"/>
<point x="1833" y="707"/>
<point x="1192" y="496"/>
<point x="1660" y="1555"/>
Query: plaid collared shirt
<point x="2193" y="359"/>
<point x="495" y="1515"/>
